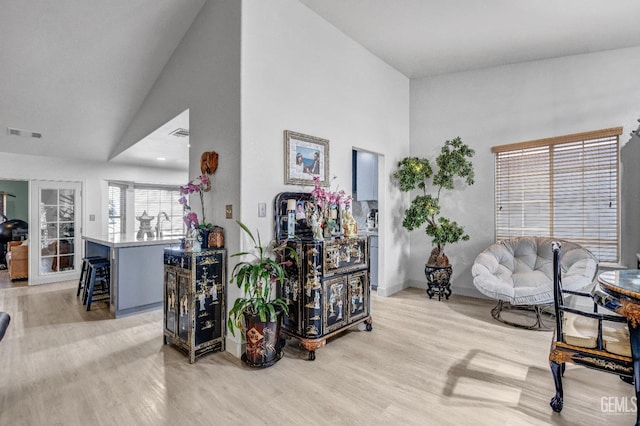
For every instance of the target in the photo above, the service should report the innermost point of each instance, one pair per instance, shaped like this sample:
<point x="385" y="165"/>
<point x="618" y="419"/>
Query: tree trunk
<point x="438" y="258"/>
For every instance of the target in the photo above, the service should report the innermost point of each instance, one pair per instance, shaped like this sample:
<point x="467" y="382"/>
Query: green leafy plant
<point x="258" y="278"/>
<point x="416" y="173"/>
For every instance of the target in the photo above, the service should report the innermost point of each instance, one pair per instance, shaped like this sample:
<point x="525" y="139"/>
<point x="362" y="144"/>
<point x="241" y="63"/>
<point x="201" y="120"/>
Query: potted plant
<point x="416" y="173"/>
<point x="259" y="313"/>
<point x="198" y="229"/>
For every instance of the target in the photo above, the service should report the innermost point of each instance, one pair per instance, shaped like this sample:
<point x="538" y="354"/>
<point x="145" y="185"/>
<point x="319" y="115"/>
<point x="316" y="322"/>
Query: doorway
<point x="365" y="186"/>
<point x="14" y="218"/>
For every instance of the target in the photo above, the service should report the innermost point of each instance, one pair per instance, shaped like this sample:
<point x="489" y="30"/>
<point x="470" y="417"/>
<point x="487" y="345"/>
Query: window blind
<point x="565" y="188"/>
<point x="117" y="217"/>
<point x="153" y="200"/>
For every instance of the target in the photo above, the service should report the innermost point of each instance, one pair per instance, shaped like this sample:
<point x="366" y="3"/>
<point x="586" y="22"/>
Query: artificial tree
<point x="416" y="173"/>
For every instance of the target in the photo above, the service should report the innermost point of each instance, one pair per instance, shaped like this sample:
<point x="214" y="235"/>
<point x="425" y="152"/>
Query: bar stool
<point x="99" y="281"/>
<point x="84" y="273"/>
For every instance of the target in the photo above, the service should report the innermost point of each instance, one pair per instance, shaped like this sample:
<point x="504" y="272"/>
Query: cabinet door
<point x="170" y="300"/>
<point x="185" y="305"/>
<point x="358" y="295"/>
<point x="312" y="291"/>
<point x="208" y="295"/>
<point x="292" y="289"/>
<point x="344" y="255"/>
<point x="335" y="303"/>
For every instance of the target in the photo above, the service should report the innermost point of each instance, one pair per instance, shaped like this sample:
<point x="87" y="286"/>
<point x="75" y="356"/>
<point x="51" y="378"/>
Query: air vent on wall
<point x="180" y="133"/>
<point x="24" y="133"/>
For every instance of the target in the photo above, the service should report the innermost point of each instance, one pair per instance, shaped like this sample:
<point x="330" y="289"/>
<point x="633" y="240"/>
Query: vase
<point x="216" y="237"/>
<point x="204" y="238"/>
<point x="327" y="231"/>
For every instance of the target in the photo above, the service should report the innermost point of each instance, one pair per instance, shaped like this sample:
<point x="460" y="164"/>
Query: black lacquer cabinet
<point x="194" y="300"/>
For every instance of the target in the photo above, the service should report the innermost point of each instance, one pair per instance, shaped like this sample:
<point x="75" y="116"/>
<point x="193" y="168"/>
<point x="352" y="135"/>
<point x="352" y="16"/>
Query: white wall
<point x="300" y="73"/>
<point x="511" y="104"/>
<point x="203" y="75"/>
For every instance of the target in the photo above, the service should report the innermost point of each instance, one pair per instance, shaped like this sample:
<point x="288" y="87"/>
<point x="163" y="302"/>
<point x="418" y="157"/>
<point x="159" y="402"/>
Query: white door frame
<point x="35" y="275"/>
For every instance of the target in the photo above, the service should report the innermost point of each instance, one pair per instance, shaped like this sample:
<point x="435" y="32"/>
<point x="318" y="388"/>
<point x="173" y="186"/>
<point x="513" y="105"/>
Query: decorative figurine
<point x="316" y="227"/>
<point x="349" y="224"/>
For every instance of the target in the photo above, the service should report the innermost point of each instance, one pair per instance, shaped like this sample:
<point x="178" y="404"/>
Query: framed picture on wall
<point x="305" y="157"/>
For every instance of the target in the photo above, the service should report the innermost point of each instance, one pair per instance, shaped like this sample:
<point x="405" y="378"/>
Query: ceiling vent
<point x="24" y="133"/>
<point x="180" y="133"/>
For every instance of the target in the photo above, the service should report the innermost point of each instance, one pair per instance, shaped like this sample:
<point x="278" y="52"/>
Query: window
<point x="117" y="217"/>
<point x="154" y="200"/>
<point x="564" y="187"/>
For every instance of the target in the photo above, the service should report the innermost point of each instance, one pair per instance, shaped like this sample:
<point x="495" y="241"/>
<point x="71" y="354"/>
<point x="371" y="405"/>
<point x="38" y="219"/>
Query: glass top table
<point x="624" y="284"/>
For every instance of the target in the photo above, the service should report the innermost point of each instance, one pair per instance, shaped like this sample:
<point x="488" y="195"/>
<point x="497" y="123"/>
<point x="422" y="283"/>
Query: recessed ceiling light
<point x="161" y="159"/>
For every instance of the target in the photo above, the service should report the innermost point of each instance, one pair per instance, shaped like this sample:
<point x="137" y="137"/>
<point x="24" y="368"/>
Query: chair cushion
<point x="578" y="330"/>
<point x="520" y="270"/>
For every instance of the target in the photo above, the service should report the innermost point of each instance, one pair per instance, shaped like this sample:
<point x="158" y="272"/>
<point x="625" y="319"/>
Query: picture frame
<point x="305" y="157"/>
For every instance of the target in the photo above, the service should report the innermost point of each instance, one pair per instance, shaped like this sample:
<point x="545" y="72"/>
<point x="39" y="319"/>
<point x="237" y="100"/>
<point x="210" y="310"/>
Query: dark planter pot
<point x="438" y="280"/>
<point x="264" y="344"/>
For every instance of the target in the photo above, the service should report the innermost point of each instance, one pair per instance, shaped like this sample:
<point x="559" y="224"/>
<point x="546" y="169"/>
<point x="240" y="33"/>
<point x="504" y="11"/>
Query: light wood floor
<point x="425" y="363"/>
<point x="5" y="281"/>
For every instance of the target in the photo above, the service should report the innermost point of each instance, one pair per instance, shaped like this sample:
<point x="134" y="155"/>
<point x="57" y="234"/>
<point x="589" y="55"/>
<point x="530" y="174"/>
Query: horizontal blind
<point x="522" y="193"/>
<point x="585" y="195"/>
<point x="117" y="224"/>
<point x="567" y="189"/>
<point x="154" y="200"/>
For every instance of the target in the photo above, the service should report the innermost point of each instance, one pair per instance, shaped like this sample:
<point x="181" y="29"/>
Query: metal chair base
<point x="541" y="311"/>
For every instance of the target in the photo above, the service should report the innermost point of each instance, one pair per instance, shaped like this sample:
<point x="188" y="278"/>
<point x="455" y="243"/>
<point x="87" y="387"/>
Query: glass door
<point x="56" y="236"/>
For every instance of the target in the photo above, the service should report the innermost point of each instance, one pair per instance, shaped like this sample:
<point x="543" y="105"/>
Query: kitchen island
<point x="137" y="270"/>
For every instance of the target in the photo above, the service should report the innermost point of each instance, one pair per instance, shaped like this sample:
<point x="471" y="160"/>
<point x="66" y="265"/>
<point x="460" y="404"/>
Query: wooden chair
<point x="18" y="260"/>
<point x="591" y="339"/>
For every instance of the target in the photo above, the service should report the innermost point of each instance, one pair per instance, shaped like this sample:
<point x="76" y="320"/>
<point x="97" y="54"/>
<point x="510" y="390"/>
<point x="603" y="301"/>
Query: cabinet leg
<point x="312" y="355"/>
<point x="369" y="324"/>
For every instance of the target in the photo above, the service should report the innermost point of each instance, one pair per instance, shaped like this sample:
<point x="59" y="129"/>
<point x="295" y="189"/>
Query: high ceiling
<point x="78" y="70"/>
<point x="429" y="37"/>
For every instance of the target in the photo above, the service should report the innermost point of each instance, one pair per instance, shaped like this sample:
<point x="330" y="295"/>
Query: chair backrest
<point x="5" y="319"/>
<point x="558" y="300"/>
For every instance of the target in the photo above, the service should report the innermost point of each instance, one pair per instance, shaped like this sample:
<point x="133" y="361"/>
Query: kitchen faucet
<point x="159" y="223"/>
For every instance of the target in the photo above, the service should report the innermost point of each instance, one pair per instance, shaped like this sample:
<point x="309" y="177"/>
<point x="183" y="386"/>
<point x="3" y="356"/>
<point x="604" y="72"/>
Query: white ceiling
<point x="160" y="148"/>
<point x="78" y="70"/>
<point x="429" y="37"/>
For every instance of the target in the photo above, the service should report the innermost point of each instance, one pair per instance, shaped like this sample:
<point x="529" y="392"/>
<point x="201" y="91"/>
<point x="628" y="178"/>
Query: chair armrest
<point x="577" y="293"/>
<point x="597" y="315"/>
<point x="19" y="253"/>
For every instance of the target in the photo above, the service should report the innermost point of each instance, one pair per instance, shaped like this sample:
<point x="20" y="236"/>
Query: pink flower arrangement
<point x="329" y="198"/>
<point x="198" y="185"/>
<point x="326" y="201"/>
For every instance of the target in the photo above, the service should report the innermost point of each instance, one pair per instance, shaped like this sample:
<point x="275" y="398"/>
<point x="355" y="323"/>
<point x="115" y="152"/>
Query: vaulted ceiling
<point x="77" y="71"/>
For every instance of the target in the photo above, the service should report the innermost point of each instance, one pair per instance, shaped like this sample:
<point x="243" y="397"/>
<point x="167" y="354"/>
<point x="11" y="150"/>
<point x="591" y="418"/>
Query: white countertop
<point x="130" y="240"/>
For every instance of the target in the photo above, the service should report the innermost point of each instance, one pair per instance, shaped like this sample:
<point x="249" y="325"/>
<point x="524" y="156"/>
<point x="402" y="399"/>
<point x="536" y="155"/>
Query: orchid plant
<point x="325" y="201"/>
<point x="199" y="185"/>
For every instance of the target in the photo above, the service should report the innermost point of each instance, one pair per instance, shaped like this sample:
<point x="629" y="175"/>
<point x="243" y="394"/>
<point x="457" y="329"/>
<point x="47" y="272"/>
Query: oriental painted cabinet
<point x="194" y="300"/>
<point x="327" y="289"/>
